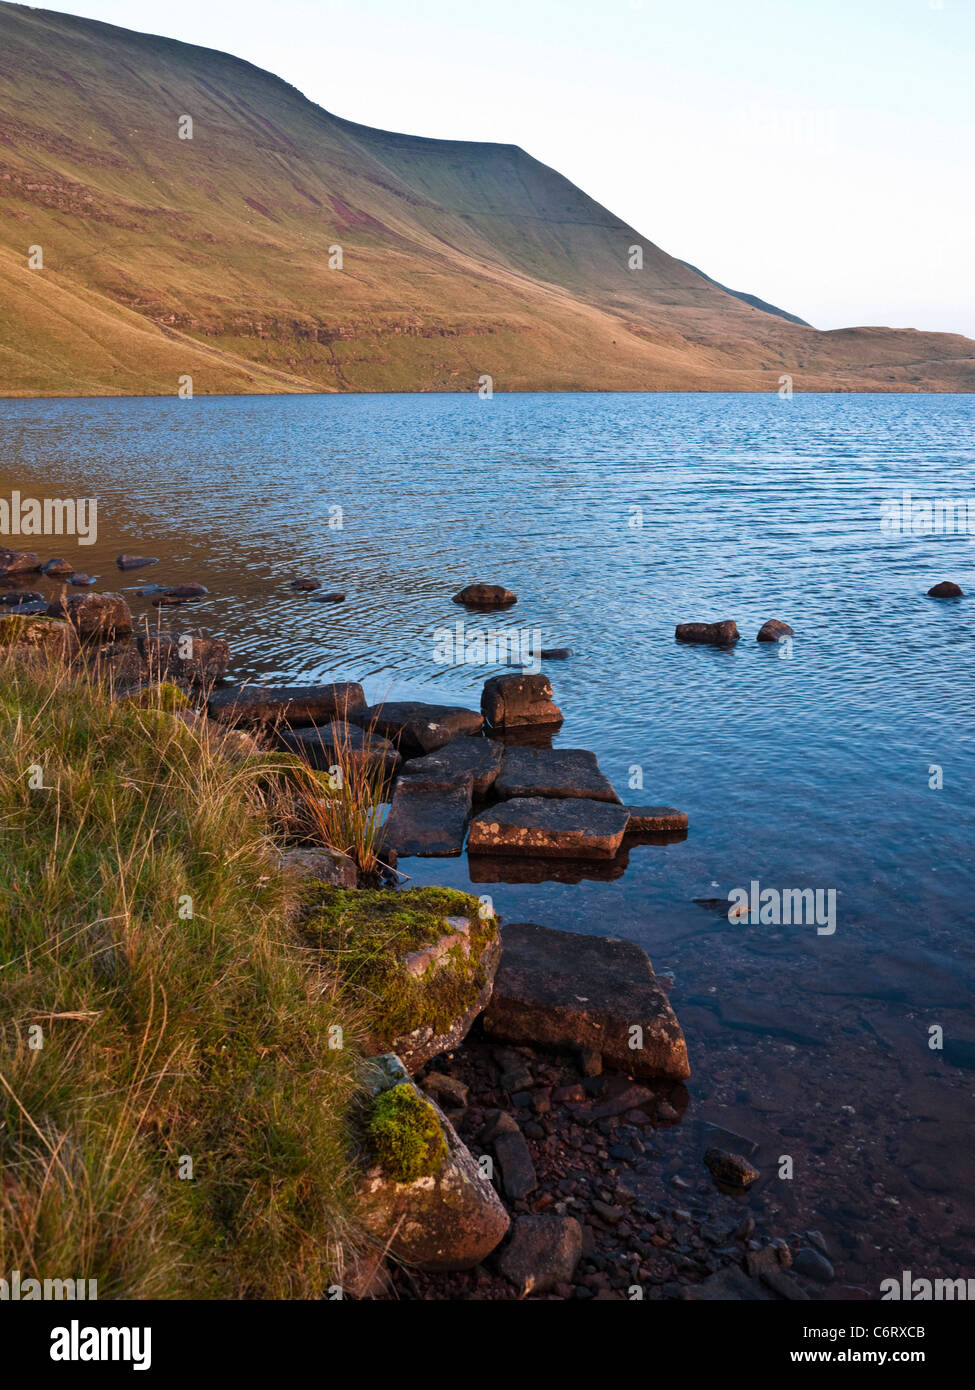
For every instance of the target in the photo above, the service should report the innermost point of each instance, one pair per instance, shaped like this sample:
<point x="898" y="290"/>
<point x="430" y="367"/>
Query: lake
<point x="844" y="761"/>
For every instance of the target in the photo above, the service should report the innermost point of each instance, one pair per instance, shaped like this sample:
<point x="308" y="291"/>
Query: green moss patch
<point x="405" y="1135"/>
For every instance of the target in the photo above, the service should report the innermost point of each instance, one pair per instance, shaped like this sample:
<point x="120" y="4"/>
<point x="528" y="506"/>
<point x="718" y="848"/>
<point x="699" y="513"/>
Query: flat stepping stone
<point x="343" y="745"/>
<point x="428" y="822"/>
<point x="647" y="819"/>
<point x="511" y="702"/>
<point x="416" y="727"/>
<point x="570" y="828"/>
<point x="462" y="758"/>
<point x="287" y="704"/>
<point x="555" y="772"/>
<point x="566" y="990"/>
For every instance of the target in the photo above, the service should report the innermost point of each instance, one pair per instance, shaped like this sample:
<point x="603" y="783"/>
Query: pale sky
<point x="818" y="153"/>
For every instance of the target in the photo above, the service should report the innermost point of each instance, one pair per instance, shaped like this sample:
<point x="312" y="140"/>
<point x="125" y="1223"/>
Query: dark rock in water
<point x="329" y="598"/>
<point x="519" y="868"/>
<point x="722" y="634"/>
<point x="556" y="653"/>
<point x="148" y="589"/>
<point x="16" y="598"/>
<point x="17" y="561"/>
<point x="773" y="630"/>
<point x="187" y="591"/>
<point x="812" y="1265"/>
<point x="427" y="821"/>
<point x="649" y="819"/>
<point x="574" y="828"/>
<point x="450" y="766"/>
<point x="170" y="601"/>
<point x="729" y="1169"/>
<point x="57" y="569"/>
<point x="135" y="562"/>
<point x="416" y="727"/>
<point x="713" y="904"/>
<point x="486" y="596"/>
<point x="543" y="1251"/>
<point x="82" y="581"/>
<point x="569" y="991"/>
<point x="518" y="1176"/>
<point x="94" y="615"/>
<point x="338" y="744"/>
<point x="201" y="660"/>
<point x="552" y="772"/>
<point x="305" y="586"/>
<point x="293" y="705"/>
<point x="946" y="589"/>
<point x="511" y="701"/>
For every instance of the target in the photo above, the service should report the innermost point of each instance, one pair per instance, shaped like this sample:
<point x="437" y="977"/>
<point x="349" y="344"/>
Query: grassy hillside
<point x="210" y="257"/>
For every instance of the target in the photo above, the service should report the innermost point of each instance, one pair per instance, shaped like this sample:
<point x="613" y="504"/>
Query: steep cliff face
<point x="284" y="249"/>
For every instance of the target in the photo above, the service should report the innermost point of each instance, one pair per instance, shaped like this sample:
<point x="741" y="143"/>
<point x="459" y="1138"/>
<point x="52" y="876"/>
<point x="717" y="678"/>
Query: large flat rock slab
<point x="294" y="705"/>
<point x="573" y="828"/>
<point x="563" y="989"/>
<point x="654" y="820"/>
<point x="554" y="772"/>
<point x="476" y="758"/>
<point x="427" y="821"/>
<point x="344" y="745"/>
<point x="416" y="727"/>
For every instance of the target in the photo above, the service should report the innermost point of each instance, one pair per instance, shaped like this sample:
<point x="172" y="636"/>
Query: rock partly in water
<point x="511" y="702"/>
<point x="428" y="820"/>
<point x="729" y="1169"/>
<point x="654" y="819"/>
<point x="357" y="751"/>
<point x="573" y="828"/>
<point x="181" y="656"/>
<point x="305" y="586"/>
<point x="566" y="990"/>
<point x="721" y="634"/>
<point x="449" y="1218"/>
<point x="543" y="1251"/>
<point x="486" y="596"/>
<point x="553" y="772"/>
<point x="82" y="581"/>
<point x="465" y="756"/>
<point x="21" y="598"/>
<point x="774" y="630"/>
<point x="94" y="616"/>
<point x="135" y="562"/>
<point x="294" y="705"/>
<point x="57" y="569"/>
<point x="186" y="591"/>
<point x="17" y="561"/>
<point x="333" y="597"/>
<point x="946" y="589"/>
<point x="416" y="727"/>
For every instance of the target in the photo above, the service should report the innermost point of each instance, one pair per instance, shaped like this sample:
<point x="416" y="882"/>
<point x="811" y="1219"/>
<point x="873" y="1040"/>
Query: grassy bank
<point x="158" y="1009"/>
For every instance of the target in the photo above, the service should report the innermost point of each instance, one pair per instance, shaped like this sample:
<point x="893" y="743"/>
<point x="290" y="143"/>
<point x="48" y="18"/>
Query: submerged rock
<point x="573" y="828"/>
<point x="486" y="596"/>
<point x="946" y="589"/>
<point x="17" y="561"/>
<point x="729" y="1169"/>
<point x="82" y="581"/>
<point x="186" y="591"/>
<point x="17" y="598"/>
<point x="565" y="990"/>
<point x="135" y="562"/>
<point x="552" y="772"/>
<point x="448" y="1218"/>
<point x="515" y="701"/>
<point x="721" y="634"/>
<point x="305" y="586"/>
<point x="773" y="630"/>
<point x="329" y="598"/>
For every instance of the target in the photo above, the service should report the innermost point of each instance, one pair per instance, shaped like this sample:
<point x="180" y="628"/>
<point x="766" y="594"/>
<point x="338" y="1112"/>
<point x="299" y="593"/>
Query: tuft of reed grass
<point x="343" y="807"/>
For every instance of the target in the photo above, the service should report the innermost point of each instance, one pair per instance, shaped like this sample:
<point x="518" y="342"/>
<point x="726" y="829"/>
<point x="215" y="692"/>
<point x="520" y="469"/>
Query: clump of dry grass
<point x="158" y="1016"/>
<point x="343" y="807"/>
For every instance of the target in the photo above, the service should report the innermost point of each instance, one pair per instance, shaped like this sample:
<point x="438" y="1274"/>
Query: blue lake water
<point x="614" y="518"/>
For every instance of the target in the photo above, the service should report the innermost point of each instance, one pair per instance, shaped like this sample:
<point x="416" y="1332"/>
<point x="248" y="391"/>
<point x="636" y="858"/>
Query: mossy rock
<point x="420" y="979"/>
<point x="164" y="696"/>
<point x="405" y="1135"/>
<point x="36" y="632"/>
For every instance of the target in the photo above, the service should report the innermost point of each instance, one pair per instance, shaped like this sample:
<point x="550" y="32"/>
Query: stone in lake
<point x="773" y="630"/>
<point x="201" y="660"/>
<point x="25" y="633"/>
<point x="305" y="586"/>
<point x="428" y="821"/>
<point x="329" y="598"/>
<point x="651" y="819"/>
<point x="448" y="1220"/>
<point x="185" y="591"/>
<point x="722" y="634"/>
<point x="94" y="615"/>
<point x="573" y="828"/>
<point x="135" y="562"/>
<point x="17" y="561"/>
<point x="466" y="756"/>
<point x="568" y="991"/>
<point x="82" y="581"/>
<point x="552" y="772"/>
<point x="293" y="705"/>
<point x="17" y="598"/>
<point x="486" y="596"/>
<point x="57" y="569"/>
<point x="416" y="727"/>
<point x="338" y="744"/>
<point x="543" y="1251"/>
<point x="512" y="701"/>
<point x="946" y="589"/>
<point x="729" y="1169"/>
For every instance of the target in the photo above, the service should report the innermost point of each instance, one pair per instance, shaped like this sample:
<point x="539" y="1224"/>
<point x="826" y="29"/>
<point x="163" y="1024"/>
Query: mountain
<point x="209" y="257"/>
